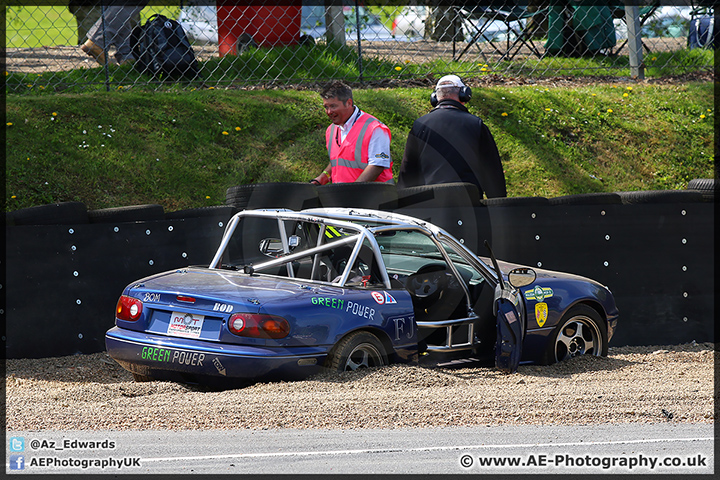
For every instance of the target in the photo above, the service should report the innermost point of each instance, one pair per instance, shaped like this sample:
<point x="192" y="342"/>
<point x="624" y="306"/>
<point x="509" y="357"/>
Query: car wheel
<point x="357" y="350"/>
<point x="142" y="378"/>
<point x="580" y="332"/>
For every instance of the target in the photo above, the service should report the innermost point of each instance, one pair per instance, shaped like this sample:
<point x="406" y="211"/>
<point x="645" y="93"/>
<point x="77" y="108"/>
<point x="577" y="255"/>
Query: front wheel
<point x="580" y="332"/>
<point x="357" y="350"/>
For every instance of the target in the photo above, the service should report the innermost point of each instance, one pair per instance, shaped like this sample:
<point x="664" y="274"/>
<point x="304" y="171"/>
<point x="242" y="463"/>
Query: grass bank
<point x="184" y="149"/>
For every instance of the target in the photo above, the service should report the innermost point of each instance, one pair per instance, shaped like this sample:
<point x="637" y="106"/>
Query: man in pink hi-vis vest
<point x="358" y="144"/>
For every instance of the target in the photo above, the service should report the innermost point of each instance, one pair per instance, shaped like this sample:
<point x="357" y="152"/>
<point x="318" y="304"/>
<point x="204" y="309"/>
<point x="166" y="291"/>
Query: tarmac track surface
<point x="591" y="449"/>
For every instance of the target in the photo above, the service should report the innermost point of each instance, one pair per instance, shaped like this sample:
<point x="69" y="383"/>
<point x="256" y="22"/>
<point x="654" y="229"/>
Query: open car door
<point x="510" y="335"/>
<point x="509" y="320"/>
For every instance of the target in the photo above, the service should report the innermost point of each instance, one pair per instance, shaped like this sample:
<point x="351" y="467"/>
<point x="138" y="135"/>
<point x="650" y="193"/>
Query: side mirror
<point x="521" y="277"/>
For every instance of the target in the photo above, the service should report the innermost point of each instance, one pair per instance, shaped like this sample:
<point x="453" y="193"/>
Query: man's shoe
<point x="94" y="51"/>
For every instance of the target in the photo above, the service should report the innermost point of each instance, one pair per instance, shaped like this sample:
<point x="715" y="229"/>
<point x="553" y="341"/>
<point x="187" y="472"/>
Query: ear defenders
<point x="464" y="95"/>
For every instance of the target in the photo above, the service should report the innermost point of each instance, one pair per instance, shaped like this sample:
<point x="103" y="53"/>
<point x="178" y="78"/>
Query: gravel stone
<point x="632" y="385"/>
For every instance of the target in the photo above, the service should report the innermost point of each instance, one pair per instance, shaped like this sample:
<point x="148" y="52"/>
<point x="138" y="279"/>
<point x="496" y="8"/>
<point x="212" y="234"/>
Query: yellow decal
<point x="541" y="313"/>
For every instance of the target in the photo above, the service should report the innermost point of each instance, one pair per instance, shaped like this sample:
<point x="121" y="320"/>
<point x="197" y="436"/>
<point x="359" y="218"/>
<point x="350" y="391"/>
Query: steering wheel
<point x="427" y="284"/>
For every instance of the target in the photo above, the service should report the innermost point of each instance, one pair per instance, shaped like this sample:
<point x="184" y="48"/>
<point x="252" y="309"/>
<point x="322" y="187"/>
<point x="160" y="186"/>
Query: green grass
<point x="38" y="26"/>
<point x="183" y="149"/>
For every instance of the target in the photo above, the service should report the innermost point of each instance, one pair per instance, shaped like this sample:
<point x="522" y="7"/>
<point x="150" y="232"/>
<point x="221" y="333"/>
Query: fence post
<point x="632" y="19"/>
<point x="359" y="43"/>
<point x="334" y="22"/>
<point x="105" y="48"/>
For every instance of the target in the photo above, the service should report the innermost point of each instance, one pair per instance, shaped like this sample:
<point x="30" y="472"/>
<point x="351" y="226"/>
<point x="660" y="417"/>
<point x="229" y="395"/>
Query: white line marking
<point x="424" y="449"/>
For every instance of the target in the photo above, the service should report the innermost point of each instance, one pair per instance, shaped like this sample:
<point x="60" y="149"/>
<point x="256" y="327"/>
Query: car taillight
<point x="128" y="308"/>
<point x="258" y="325"/>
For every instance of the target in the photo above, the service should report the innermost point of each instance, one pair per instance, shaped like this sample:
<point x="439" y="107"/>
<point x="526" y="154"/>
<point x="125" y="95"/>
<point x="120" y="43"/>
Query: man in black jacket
<point x="449" y="144"/>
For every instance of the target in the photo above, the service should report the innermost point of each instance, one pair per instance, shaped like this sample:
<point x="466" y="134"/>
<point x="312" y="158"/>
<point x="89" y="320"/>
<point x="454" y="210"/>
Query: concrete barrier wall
<point x="63" y="281"/>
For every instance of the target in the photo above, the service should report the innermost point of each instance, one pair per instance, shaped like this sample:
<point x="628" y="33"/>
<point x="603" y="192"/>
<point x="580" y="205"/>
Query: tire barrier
<point x="374" y="195"/>
<point x="133" y="213"/>
<point x="292" y="195"/>
<point x="65" y="213"/>
<point x="654" y="250"/>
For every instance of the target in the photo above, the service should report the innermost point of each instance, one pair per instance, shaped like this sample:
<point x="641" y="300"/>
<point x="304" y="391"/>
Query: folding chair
<point x="509" y="15"/>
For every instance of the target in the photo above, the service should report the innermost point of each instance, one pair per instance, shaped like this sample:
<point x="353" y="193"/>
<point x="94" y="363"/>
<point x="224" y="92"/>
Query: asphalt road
<point x="594" y="449"/>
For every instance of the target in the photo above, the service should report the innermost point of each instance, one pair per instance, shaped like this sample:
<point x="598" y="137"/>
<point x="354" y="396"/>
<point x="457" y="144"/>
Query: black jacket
<point x="449" y="144"/>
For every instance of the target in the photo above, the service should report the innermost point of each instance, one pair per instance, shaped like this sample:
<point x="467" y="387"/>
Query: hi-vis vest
<point x="349" y="159"/>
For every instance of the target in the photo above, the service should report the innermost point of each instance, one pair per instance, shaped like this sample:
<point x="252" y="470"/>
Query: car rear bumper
<point x="163" y="357"/>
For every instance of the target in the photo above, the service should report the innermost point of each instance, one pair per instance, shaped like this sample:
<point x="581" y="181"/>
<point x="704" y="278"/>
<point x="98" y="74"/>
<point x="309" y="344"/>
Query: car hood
<point x="542" y="274"/>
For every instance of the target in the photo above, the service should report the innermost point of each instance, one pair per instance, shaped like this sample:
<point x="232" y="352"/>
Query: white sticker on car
<point x="185" y="325"/>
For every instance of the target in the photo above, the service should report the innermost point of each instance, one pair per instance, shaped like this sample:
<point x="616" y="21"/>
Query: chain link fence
<point x="67" y="46"/>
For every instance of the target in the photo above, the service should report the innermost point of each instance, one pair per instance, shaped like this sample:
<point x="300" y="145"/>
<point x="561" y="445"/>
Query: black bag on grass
<point x="702" y="33"/>
<point x="161" y="47"/>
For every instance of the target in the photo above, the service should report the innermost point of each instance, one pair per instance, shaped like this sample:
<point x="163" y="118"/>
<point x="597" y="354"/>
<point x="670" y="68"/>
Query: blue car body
<point x="325" y="277"/>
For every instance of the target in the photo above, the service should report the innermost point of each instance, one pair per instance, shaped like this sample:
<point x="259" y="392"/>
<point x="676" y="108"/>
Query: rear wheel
<point x="357" y="350"/>
<point x="580" y="332"/>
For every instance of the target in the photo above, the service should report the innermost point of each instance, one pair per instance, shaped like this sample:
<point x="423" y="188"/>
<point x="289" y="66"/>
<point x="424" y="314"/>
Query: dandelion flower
<point x="504" y="114"/>
<point x="398" y="68"/>
<point x="207" y="197"/>
<point x="629" y="88"/>
<point x="625" y="94"/>
<point x="211" y="88"/>
<point x="225" y="133"/>
<point x="548" y="109"/>
<point x="9" y="124"/>
<point x="702" y="116"/>
<point x="54" y="114"/>
<point x="237" y="129"/>
<point x="609" y="110"/>
<point x="593" y="94"/>
<point x="483" y="69"/>
<point x="14" y="196"/>
<point x="709" y="110"/>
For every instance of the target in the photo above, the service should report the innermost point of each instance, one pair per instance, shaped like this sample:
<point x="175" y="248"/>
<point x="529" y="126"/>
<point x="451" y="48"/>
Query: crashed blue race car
<point x="289" y="293"/>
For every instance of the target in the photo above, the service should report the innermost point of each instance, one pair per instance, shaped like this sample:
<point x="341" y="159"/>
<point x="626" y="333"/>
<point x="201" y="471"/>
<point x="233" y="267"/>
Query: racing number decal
<point x="151" y="297"/>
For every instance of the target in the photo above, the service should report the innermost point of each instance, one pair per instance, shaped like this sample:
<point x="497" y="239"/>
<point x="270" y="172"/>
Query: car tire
<point x="703" y="184"/>
<point x="64" y="213"/>
<point x="132" y="213"/>
<point x="597" y="198"/>
<point x="225" y="211"/>
<point x="706" y="187"/>
<point x="372" y="195"/>
<point x="445" y="195"/>
<point x="292" y="195"/>
<point x="660" y="196"/>
<point x="357" y="350"/>
<point x="568" y="341"/>
<point x="515" y="201"/>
